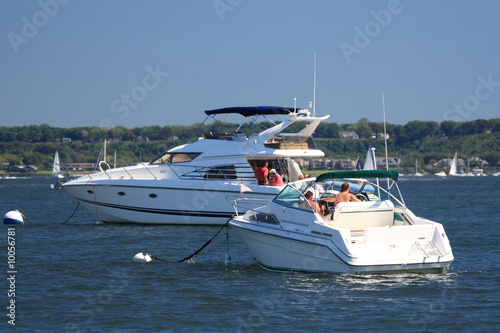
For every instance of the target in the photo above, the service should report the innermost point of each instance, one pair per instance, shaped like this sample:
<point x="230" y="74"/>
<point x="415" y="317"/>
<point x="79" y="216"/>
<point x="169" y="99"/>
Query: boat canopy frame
<point x="358" y="174"/>
<point x="248" y="111"/>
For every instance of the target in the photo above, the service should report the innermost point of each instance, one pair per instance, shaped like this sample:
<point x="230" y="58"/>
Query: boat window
<point x="221" y="172"/>
<point x="290" y="197"/>
<point x="175" y="158"/>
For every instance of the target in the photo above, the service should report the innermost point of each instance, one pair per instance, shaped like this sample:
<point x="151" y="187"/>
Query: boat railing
<point x="433" y="249"/>
<point x="244" y="204"/>
<point x="91" y="169"/>
<point x="240" y="171"/>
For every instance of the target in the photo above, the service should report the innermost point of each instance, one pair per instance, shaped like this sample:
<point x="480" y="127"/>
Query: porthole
<point x="90" y="192"/>
<point x="121" y="193"/>
<point x="152" y="195"/>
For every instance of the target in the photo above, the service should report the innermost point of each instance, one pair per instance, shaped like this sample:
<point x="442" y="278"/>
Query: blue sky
<point x="126" y="63"/>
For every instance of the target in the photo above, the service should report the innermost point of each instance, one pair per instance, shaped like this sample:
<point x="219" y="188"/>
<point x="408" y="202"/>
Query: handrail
<point x="149" y="170"/>
<point x="235" y="202"/>
<point x="421" y="249"/>
<point x="128" y="173"/>
<point x="213" y="172"/>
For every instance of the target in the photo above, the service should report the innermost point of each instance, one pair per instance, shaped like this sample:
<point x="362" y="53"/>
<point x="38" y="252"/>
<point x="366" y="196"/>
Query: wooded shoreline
<point x="424" y="142"/>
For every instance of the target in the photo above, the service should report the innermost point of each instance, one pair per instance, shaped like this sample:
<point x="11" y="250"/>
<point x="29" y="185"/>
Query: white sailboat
<point x="417" y="174"/>
<point x="370" y="162"/>
<point x="56" y="167"/>
<point x="453" y="167"/>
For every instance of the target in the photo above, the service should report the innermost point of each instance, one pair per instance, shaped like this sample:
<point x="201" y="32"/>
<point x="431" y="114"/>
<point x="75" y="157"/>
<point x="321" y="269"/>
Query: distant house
<point x="348" y="135"/>
<point x="393" y="162"/>
<point x="66" y="140"/>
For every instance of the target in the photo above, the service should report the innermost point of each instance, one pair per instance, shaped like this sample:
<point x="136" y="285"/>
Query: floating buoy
<point x="13" y="217"/>
<point x="142" y="257"/>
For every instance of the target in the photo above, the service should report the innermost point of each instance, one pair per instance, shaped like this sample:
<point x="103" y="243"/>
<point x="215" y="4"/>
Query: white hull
<point x="184" y="202"/>
<point x="308" y="253"/>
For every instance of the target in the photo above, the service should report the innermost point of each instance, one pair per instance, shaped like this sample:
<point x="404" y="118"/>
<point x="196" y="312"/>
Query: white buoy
<point x="13" y="217"/>
<point x="142" y="257"/>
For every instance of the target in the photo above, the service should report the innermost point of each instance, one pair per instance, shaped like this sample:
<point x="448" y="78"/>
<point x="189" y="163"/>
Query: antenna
<point x="314" y="87"/>
<point x="294" y="104"/>
<point x="385" y="135"/>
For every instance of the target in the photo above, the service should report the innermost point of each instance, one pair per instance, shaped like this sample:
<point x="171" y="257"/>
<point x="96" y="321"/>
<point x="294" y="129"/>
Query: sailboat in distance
<point x="370" y="162"/>
<point x="453" y="167"/>
<point x="56" y="168"/>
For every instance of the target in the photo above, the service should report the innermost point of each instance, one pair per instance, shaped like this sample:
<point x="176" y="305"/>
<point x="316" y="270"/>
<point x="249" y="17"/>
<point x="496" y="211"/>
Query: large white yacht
<point x="195" y="183"/>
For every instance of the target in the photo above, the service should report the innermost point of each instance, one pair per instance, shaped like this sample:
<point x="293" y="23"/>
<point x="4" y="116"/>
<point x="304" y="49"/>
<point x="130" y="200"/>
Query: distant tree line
<point x="413" y="130"/>
<point x="425" y="141"/>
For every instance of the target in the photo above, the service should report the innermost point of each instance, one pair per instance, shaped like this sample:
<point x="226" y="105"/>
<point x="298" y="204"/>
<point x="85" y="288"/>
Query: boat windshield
<point x="302" y="185"/>
<point x="291" y="195"/>
<point x="175" y="158"/>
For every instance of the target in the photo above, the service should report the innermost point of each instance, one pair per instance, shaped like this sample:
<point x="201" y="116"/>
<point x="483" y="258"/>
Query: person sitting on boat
<point x="310" y="203"/>
<point x="343" y="196"/>
<point x="262" y="174"/>
<point x="275" y="178"/>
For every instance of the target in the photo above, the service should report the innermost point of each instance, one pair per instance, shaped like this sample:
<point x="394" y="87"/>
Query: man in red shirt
<point x="262" y="174"/>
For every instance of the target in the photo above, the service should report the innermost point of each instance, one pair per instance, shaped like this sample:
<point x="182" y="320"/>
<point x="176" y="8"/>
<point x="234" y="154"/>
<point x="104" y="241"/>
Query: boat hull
<point x="153" y="204"/>
<point x="294" y="252"/>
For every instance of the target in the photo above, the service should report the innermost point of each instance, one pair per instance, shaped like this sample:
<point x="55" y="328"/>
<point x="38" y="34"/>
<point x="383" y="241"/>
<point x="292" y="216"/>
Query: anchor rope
<point x="78" y="205"/>
<point x="24" y="217"/>
<point x="188" y="258"/>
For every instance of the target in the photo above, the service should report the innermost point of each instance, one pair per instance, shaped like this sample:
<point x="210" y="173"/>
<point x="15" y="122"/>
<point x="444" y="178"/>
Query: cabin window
<point x="221" y="172"/>
<point x="175" y="158"/>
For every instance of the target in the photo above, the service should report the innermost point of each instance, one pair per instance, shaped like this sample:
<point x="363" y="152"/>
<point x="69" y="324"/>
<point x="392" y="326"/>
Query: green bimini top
<point x="358" y="174"/>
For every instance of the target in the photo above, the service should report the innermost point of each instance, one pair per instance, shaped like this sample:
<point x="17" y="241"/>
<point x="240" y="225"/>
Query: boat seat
<point x="360" y="215"/>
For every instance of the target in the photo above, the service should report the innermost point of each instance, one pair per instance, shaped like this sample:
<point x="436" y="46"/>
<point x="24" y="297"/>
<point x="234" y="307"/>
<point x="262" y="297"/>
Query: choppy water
<point x="79" y="277"/>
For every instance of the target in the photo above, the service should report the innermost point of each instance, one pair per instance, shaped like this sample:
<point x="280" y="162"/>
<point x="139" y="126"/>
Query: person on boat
<point x="310" y="203"/>
<point x="343" y="196"/>
<point x="275" y="178"/>
<point x="262" y="174"/>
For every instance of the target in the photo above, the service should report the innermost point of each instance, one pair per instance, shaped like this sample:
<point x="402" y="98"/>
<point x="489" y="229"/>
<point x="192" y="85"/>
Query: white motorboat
<point x="377" y="235"/>
<point x="195" y="183"/>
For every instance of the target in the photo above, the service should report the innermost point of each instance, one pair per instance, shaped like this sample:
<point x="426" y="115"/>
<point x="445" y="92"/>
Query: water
<point x="79" y="276"/>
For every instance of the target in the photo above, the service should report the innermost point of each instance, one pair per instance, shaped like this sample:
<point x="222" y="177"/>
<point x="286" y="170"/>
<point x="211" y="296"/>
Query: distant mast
<point x="314" y="88"/>
<point x="385" y="135"/>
